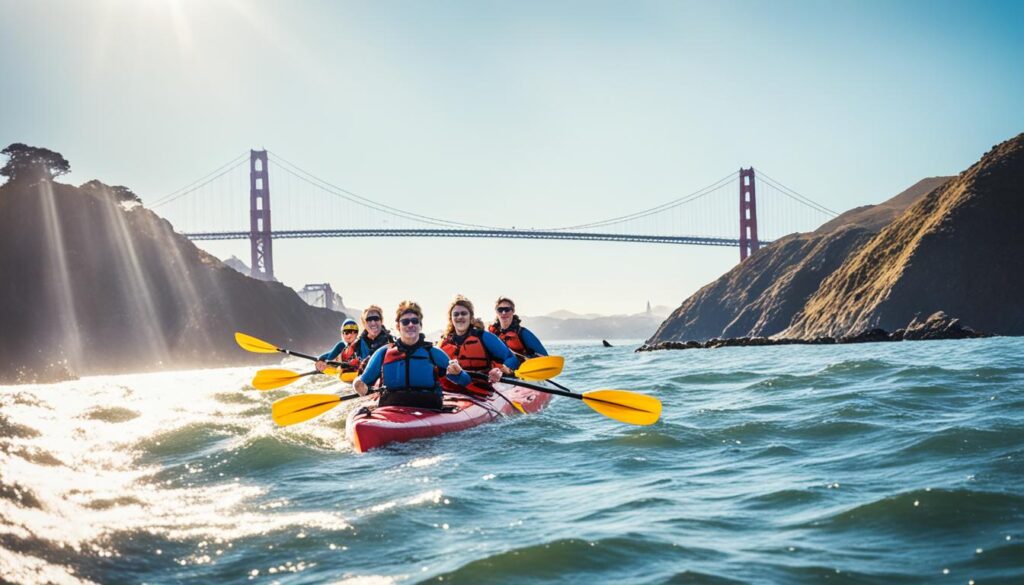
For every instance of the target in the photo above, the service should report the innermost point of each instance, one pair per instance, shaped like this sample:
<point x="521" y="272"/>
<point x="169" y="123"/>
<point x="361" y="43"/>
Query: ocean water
<point x="890" y="462"/>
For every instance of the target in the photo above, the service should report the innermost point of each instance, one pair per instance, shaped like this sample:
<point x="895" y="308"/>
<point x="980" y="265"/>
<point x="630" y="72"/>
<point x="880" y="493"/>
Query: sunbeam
<point x="59" y="283"/>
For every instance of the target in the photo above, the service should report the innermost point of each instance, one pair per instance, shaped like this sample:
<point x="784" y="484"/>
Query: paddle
<point x="273" y="378"/>
<point x="560" y="361"/>
<point x="540" y="368"/>
<point x="301" y="407"/>
<point x="255" y="345"/>
<point x="621" y="405"/>
<point x="536" y="369"/>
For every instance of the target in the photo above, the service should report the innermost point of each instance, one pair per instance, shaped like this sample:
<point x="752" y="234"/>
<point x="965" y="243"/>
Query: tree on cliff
<point x="120" y="193"/>
<point x="30" y="163"/>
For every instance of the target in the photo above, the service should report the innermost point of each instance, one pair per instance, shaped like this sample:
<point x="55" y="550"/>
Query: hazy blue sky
<point x="514" y="113"/>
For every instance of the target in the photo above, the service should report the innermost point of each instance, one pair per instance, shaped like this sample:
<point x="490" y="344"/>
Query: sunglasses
<point x="373" y="318"/>
<point x="505" y="309"/>
<point x="349" y="332"/>
<point x="460" y="313"/>
<point x="410" y="321"/>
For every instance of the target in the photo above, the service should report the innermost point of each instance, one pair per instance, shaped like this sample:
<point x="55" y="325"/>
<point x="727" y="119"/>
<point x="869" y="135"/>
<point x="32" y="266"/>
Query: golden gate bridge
<point x="310" y="207"/>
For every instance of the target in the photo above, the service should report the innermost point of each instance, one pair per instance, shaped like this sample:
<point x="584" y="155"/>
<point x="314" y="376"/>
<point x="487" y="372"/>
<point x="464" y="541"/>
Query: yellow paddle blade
<point x="623" y="405"/>
<point x="518" y="406"/>
<point x="347" y="376"/>
<point x="541" y="368"/>
<point x="273" y="378"/>
<point x="295" y="409"/>
<point x="250" y="343"/>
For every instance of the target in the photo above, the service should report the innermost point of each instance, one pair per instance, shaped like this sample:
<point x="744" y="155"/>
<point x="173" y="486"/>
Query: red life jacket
<point x="510" y="337"/>
<point x="401" y="364"/>
<point x="472" y="355"/>
<point x="348" y="356"/>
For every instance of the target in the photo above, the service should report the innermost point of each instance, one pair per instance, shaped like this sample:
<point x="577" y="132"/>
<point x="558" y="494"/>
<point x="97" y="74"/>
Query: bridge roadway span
<point x="453" y="233"/>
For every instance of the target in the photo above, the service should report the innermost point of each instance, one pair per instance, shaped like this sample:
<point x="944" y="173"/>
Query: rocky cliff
<point x="92" y="283"/>
<point x="760" y="297"/>
<point x="957" y="250"/>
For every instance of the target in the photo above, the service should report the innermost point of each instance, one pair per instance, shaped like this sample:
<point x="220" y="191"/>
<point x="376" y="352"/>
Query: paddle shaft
<point x="308" y="357"/>
<point x="517" y="382"/>
<point x="557" y="385"/>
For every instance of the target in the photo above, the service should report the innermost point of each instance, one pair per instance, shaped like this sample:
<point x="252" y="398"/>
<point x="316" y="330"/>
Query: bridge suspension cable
<point x="794" y="195"/>
<point x="317" y="182"/>
<point x="657" y="209"/>
<point x="203" y="181"/>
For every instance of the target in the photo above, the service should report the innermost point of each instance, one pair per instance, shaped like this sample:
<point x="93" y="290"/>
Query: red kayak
<point x="393" y="424"/>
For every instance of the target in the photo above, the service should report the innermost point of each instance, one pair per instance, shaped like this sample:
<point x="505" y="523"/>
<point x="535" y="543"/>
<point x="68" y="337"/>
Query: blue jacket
<point x="530" y="341"/>
<point x="334" y="353"/>
<point x="409" y="367"/>
<point x="498" y="349"/>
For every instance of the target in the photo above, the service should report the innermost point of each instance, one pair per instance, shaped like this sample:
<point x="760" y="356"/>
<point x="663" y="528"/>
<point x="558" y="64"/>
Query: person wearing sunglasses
<point x="410" y="367"/>
<point x="373" y="337"/>
<point x="349" y="331"/>
<point x="466" y="341"/>
<point x="510" y="330"/>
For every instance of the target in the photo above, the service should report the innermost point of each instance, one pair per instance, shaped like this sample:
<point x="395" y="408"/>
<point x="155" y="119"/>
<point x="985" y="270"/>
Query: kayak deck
<point x="392" y="424"/>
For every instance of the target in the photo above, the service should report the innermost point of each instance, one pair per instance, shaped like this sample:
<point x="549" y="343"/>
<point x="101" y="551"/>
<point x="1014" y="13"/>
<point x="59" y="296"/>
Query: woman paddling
<point x="475" y="349"/>
<point x="410" y="367"/>
<point x="510" y="330"/>
<point x="374" y="337"/>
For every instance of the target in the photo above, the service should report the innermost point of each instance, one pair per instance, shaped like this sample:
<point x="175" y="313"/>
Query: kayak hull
<point x="394" y="424"/>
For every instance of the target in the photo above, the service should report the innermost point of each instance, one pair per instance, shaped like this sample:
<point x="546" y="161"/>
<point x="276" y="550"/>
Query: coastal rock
<point x="90" y="284"/>
<point x="869" y="336"/>
<point x="760" y="296"/>
<point x="938" y="326"/>
<point x="955" y="250"/>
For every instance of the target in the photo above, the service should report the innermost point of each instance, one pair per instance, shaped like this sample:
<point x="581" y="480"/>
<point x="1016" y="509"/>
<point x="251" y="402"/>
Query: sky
<point x="514" y="113"/>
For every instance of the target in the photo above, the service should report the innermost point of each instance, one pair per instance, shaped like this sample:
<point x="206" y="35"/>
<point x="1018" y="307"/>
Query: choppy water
<point x="897" y="462"/>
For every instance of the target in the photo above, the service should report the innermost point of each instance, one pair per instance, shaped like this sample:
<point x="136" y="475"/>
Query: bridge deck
<point x="469" y="233"/>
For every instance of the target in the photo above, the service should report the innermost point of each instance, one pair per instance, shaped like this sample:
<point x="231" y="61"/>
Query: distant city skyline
<point x="556" y="111"/>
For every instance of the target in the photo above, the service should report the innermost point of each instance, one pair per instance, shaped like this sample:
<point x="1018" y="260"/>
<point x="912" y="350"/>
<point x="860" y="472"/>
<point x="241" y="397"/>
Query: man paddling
<point x="508" y="327"/>
<point x="410" y="367"/>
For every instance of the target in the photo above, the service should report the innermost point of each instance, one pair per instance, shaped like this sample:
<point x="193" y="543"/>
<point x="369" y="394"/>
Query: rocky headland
<point x="93" y="282"/>
<point x="939" y="260"/>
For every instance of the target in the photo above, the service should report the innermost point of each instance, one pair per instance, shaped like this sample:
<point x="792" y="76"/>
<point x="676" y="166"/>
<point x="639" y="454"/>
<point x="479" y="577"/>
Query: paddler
<point x="410" y="367"/>
<point x="466" y="341"/>
<point x="373" y="337"/>
<point x="349" y="331"/>
<point x="509" y="329"/>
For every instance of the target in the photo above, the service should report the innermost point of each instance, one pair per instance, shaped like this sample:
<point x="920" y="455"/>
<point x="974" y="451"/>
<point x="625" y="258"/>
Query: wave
<point x="960" y="441"/>
<point x="631" y="559"/>
<point x="860" y="367"/>
<point x="926" y="510"/>
<point x="111" y="414"/>
<point x="188" y="440"/>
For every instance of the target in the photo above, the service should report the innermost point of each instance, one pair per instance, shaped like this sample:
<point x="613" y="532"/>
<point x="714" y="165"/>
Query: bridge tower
<point x="748" y="214"/>
<point x="259" y="217"/>
<point x="318" y="290"/>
